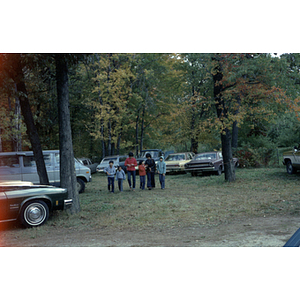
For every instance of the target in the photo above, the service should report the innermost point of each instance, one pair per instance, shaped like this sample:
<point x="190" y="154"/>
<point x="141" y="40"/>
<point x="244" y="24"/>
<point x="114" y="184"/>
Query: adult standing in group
<point x="130" y="164"/>
<point x="150" y="168"/>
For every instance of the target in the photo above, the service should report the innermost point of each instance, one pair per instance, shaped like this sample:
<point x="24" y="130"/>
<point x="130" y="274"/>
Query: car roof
<point x="15" y="183"/>
<point x="27" y="152"/>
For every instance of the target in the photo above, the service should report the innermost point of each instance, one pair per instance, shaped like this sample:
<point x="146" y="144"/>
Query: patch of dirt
<point x="266" y="231"/>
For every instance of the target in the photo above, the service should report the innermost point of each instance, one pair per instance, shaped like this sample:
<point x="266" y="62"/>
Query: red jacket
<point x="130" y="163"/>
<point x="142" y="170"/>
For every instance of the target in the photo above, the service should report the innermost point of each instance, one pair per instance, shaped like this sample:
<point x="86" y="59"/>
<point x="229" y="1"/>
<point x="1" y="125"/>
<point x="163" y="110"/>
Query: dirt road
<point x="256" y="232"/>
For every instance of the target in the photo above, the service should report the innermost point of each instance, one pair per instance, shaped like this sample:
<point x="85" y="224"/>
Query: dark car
<point x="207" y="162"/>
<point x="294" y="241"/>
<point x="30" y="204"/>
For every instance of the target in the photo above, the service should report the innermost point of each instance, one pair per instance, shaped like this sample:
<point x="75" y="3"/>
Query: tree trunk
<point x="28" y="119"/>
<point x="142" y="129"/>
<point x="137" y="134"/>
<point x="222" y="114"/>
<point x="67" y="166"/>
<point x="229" y="169"/>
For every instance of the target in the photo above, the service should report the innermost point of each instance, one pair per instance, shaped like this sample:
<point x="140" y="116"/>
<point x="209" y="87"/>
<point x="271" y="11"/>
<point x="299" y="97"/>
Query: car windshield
<point x="206" y="156"/>
<point x="173" y="157"/>
<point x="152" y="153"/>
<point x="107" y="160"/>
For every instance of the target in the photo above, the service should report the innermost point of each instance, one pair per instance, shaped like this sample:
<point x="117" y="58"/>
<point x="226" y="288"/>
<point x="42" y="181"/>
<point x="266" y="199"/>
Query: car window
<point x="122" y="158"/>
<point x="170" y="157"/>
<point x="206" y="156"/>
<point x="105" y="160"/>
<point x="9" y="161"/>
<point x="29" y="161"/>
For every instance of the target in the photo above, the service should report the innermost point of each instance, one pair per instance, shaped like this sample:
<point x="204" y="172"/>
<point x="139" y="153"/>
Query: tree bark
<point x="220" y="104"/>
<point x="67" y="166"/>
<point x="28" y="119"/>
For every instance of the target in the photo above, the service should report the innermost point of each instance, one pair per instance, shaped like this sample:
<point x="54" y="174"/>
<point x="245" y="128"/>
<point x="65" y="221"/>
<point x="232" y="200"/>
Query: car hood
<point x="177" y="162"/>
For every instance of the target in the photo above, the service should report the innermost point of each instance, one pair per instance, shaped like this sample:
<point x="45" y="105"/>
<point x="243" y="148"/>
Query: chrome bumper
<point x="68" y="203"/>
<point x="205" y="169"/>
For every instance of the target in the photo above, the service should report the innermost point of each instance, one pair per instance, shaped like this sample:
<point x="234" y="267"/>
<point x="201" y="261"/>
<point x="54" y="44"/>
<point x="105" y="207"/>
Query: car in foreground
<point x="207" y="162"/>
<point x="175" y="162"/>
<point x="30" y="204"/>
<point x="291" y="159"/>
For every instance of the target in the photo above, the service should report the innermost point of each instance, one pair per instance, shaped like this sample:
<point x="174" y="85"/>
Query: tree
<point x="14" y="66"/>
<point x="67" y="166"/>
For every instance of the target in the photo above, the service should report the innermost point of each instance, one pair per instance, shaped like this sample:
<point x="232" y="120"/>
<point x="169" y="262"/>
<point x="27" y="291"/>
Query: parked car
<point x="175" y="162"/>
<point x="155" y="154"/>
<point x="211" y="162"/>
<point x="30" y="204"/>
<point x="291" y="159"/>
<point x="22" y="166"/>
<point x="105" y="162"/>
<point x="88" y="163"/>
<point x="294" y="240"/>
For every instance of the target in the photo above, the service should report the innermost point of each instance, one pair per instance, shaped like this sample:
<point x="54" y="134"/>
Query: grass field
<point x="186" y="201"/>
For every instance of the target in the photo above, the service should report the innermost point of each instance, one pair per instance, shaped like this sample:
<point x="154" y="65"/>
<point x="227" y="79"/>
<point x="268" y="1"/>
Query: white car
<point x="22" y="166"/>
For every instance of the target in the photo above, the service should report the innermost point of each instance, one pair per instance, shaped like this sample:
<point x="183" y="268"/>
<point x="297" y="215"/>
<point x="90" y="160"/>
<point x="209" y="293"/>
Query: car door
<point x="10" y="168"/>
<point x="30" y="170"/>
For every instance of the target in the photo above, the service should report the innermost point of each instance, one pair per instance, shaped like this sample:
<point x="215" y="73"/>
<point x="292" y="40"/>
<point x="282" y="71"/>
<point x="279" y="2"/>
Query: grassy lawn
<point x="186" y="201"/>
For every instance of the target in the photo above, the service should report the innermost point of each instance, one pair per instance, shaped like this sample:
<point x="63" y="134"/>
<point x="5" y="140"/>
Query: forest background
<point x="121" y="102"/>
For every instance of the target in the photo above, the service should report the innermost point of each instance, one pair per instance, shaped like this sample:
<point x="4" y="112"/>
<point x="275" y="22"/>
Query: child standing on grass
<point x="111" y="171"/>
<point x="142" y="173"/>
<point x="161" y="170"/>
<point x="120" y="177"/>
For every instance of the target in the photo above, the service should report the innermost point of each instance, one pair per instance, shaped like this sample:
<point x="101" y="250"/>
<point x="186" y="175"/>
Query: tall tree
<point x="67" y="166"/>
<point x="14" y="65"/>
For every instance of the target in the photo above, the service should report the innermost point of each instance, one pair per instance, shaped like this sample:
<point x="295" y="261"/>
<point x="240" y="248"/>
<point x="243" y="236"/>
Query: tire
<point x="80" y="185"/>
<point x="219" y="172"/>
<point x="34" y="213"/>
<point x="289" y="168"/>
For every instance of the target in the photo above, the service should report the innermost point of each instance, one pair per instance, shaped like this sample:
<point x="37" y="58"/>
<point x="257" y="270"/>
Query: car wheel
<point x="219" y="172"/>
<point x="289" y="168"/>
<point x="80" y="185"/>
<point x="34" y="213"/>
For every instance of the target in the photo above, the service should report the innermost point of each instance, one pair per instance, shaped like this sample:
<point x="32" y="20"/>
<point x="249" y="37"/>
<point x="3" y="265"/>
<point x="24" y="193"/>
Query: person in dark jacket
<point x="150" y="169"/>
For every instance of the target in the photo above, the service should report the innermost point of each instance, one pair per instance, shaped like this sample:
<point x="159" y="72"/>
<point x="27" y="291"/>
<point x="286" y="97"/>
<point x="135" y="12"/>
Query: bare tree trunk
<point x="142" y="129"/>
<point x="225" y="135"/>
<point x="28" y="119"/>
<point x="137" y="133"/>
<point x="67" y="166"/>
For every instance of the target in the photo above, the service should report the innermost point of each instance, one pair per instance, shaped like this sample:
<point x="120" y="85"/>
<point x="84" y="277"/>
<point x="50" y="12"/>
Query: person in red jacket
<point x="130" y="164"/>
<point x="142" y="173"/>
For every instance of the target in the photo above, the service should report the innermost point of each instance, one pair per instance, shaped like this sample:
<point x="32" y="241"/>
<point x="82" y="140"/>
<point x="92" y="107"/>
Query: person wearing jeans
<point x="161" y="170"/>
<point x="110" y="172"/>
<point x="130" y="164"/>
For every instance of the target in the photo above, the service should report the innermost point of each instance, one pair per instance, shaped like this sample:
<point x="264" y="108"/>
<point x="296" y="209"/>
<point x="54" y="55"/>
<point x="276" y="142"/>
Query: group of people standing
<point x="146" y="168"/>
